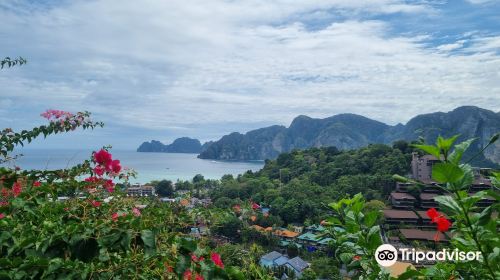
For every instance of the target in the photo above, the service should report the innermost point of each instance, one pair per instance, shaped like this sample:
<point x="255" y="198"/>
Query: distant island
<point x="180" y="145"/>
<point x="350" y="131"/>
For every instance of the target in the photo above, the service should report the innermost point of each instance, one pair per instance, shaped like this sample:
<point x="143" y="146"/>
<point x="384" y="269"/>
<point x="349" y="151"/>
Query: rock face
<point x="349" y="131"/>
<point x="180" y="145"/>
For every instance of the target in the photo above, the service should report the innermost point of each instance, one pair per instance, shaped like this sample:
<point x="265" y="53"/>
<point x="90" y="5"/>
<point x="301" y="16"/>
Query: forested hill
<point x="298" y="185"/>
<point x="349" y="131"/>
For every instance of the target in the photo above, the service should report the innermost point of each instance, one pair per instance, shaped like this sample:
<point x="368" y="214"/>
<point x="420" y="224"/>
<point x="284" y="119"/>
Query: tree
<point x="164" y="188"/>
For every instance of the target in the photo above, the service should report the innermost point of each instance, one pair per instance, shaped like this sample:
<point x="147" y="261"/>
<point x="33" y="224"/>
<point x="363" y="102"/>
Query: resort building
<point x="401" y="200"/>
<point x="421" y="166"/>
<point x="139" y="191"/>
<point x="275" y="259"/>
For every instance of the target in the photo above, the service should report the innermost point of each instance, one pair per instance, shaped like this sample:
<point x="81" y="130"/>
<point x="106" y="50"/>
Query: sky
<point x="157" y="69"/>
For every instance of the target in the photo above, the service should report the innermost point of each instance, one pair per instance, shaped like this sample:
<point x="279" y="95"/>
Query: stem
<point x="474" y="234"/>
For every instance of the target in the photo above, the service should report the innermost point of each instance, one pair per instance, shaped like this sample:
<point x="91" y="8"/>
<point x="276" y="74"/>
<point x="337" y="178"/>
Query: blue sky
<point x="166" y="69"/>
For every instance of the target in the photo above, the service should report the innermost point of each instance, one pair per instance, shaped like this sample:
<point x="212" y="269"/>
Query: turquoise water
<point x="150" y="166"/>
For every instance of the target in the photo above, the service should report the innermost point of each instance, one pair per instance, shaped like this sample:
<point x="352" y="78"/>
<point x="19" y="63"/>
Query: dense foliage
<point x="298" y="185"/>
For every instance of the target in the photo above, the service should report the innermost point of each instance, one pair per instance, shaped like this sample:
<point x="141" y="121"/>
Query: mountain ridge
<point x="349" y="131"/>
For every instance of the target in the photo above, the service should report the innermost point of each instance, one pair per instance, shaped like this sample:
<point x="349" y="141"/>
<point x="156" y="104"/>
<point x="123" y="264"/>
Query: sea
<point x="149" y="166"/>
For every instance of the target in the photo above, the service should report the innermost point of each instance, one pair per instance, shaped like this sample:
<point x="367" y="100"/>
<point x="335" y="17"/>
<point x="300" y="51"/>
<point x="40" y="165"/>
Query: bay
<point x="150" y="166"/>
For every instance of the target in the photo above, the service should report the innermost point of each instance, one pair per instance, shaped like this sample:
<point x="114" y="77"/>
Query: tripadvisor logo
<point x="387" y="255"/>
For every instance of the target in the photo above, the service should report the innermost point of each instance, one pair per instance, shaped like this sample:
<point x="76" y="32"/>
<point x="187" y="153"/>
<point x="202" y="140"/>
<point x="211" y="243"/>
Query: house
<point x="285" y="234"/>
<point x="403" y="187"/>
<point x="309" y="238"/>
<point x="275" y="259"/>
<point x="298" y="265"/>
<point x="400" y="200"/>
<point x="400" y="216"/>
<point x="316" y="228"/>
<point x="421" y="166"/>
<point x="268" y="260"/>
<point x="138" y="190"/>
<point x="427" y="200"/>
<point x="423" y="235"/>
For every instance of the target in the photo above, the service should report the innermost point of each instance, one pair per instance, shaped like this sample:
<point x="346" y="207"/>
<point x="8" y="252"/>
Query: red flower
<point x="115" y="166"/>
<point x="114" y="216"/>
<point x="2" y="215"/>
<point x="36" y="184"/>
<point x="217" y="260"/>
<point x="187" y="275"/>
<point x="16" y="189"/>
<point x="433" y="214"/>
<point x="98" y="170"/>
<point x="194" y="258"/>
<point x="95" y="203"/>
<point x="103" y="157"/>
<point x="443" y="224"/>
<point x="356" y="258"/>
<point x="255" y="206"/>
<point x="198" y="277"/>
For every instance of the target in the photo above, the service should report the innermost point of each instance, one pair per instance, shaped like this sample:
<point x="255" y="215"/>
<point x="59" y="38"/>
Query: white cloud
<point x="164" y="64"/>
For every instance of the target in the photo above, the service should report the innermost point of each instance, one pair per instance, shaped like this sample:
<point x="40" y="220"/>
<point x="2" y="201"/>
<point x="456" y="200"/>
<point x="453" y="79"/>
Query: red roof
<point x="399" y="214"/>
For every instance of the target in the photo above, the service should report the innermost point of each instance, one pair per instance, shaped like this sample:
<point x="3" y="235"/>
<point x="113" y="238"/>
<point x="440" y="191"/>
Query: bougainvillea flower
<point x="114" y="216"/>
<point x="255" y="206"/>
<point x="16" y="189"/>
<point x="198" y="277"/>
<point x="2" y="215"/>
<point x="187" y="275"/>
<point x="109" y="185"/>
<point x="5" y="192"/>
<point x="217" y="260"/>
<point x="95" y="203"/>
<point x="36" y="184"/>
<point x="136" y="212"/>
<point x="115" y="166"/>
<point x="99" y="170"/>
<point x="103" y="157"/>
<point x="92" y="179"/>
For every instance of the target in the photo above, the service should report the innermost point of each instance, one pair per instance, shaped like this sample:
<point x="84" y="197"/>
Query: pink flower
<point x="98" y="170"/>
<point x="5" y="192"/>
<point x="103" y="157"/>
<point x="16" y="189"/>
<point x="95" y="203"/>
<point x="2" y="215"/>
<point x="92" y="179"/>
<point x="194" y="258"/>
<point x="115" y="216"/>
<point x="136" y="212"/>
<point x="217" y="260"/>
<point x="36" y="184"/>
<point x="109" y="185"/>
<point x="115" y="166"/>
<point x="255" y="206"/>
<point x="198" y="277"/>
<point x="187" y="275"/>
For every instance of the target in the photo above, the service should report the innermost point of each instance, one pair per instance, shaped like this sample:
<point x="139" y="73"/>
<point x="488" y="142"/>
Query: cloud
<point x="185" y="65"/>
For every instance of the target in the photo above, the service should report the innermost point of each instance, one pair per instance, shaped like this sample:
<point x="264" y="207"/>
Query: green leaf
<point x="445" y="172"/>
<point x="433" y="150"/>
<point x="148" y="238"/>
<point x="456" y="156"/>
<point x="445" y="144"/>
<point x="449" y="203"/>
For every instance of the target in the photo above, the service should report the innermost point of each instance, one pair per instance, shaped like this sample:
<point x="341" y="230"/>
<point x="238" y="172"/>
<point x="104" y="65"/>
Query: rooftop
<point x="417" y="234"/>
<point x="272" y="256"/>
<point x="399" y="214"/>
<point x="401" y="196"/>
<point x="298" y="264"/>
